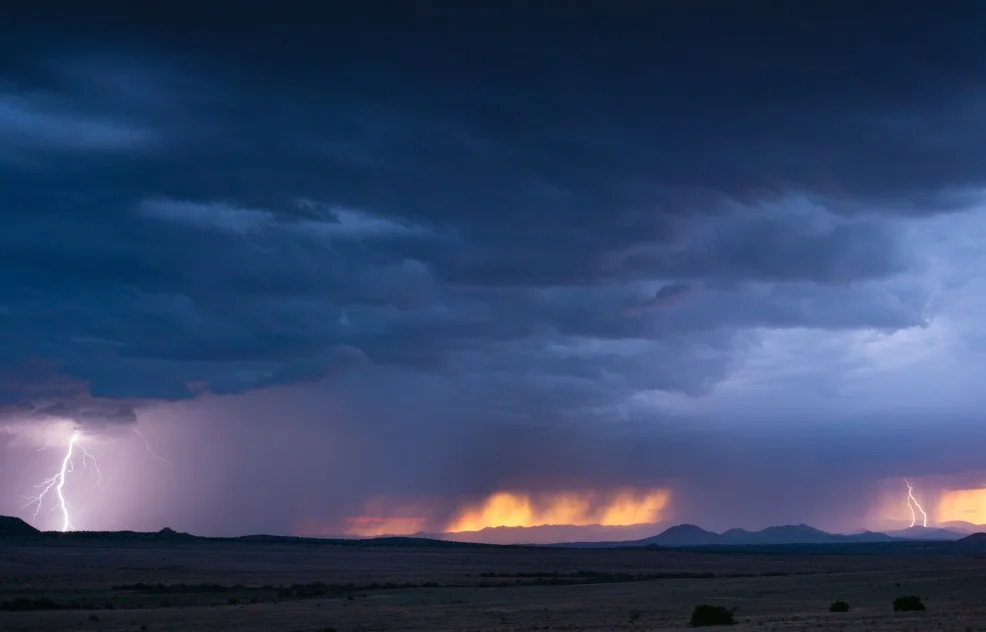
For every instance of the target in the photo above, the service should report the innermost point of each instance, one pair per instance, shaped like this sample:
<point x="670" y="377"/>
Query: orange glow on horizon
<point x="518" y="509"/>
<point x="374" y="526"/>
<point x="968" y="505"/>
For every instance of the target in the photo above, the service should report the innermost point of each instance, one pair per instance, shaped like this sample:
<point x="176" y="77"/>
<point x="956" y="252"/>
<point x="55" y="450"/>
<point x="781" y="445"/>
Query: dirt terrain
<point x="258" y="587"/>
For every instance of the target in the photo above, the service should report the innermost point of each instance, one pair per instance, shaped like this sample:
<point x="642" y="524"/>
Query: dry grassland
<point x="770" y="592"/>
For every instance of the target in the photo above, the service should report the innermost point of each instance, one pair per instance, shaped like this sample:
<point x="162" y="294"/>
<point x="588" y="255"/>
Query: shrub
<point x="908" y="603"/>
<point x="23" y="604"/>
<point x="705" y="614"/>
<point x="839" y="606"/>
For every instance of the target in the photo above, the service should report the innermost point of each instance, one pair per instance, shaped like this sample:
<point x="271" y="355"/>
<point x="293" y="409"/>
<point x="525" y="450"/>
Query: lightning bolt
<point x="56" y="484"/>
<point x="147" y="444"/>
<point x="89" y="460"/>
<point x="912" y="502"/>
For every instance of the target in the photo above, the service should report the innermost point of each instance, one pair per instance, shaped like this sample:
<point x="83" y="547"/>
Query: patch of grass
<point x="241" y="592"/>
<point x="158" y="589"/>
<point x="556" y="578"/>
<point x="839" y="606"/>
<point x="908" y="603"/>
<point x="706" y="614"/>
<point x="25" y="604"/>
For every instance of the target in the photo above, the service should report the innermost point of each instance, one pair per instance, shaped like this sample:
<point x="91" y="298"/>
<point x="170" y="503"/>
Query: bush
<point x="705" y="614"/>
<point x="23" y="604"/>
<point x="839" y="606"/>
<point x="908" y="603"/>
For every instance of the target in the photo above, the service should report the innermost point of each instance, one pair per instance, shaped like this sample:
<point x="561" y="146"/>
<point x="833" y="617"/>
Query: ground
<point x="247" y="587"/>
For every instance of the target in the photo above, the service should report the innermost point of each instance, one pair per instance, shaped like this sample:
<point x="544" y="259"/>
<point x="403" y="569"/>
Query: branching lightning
<point x="52" y="494"/>
<point x="147" y="444"/>
<point x="56" y="484"/>
<point x="913" y="503"/>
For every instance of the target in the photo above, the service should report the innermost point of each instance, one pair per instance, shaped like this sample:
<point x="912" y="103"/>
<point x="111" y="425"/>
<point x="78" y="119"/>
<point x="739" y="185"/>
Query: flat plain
<point x="293" y="587"/>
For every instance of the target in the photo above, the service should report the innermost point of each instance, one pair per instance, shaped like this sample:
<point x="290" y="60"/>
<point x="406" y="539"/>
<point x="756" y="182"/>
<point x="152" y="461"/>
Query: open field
<point x="248" y="587"/>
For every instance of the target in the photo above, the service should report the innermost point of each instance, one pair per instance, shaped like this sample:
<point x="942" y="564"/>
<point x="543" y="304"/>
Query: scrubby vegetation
<point x="297" y="591"/>
<point x="839" y="606"/>
<point x="26" y="604"/>
<point x="23" y="604"/>
<point x="706" y="615"/>
<point x="556" y="578"/>
<point x="908" y="603"/>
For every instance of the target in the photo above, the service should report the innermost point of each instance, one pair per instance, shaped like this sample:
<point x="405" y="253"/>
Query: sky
<point x="389" y="267"/>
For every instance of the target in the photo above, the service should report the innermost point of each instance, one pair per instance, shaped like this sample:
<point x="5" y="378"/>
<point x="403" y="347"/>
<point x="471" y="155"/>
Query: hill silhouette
<point x="925" y="533"/>
<point x="977" y="539"/>
<point x="690" y="535"/>
<point x="15" y="527"/>
<point x="683" y="535"/>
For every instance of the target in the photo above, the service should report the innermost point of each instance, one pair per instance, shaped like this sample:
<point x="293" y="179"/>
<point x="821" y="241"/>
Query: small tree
<point x="705" y="614"/>
<point x="839" y="606"/>
<point x="908" y="603"/>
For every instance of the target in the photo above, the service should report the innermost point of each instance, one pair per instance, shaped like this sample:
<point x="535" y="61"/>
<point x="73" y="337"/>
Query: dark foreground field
<point x="245" y="587"/>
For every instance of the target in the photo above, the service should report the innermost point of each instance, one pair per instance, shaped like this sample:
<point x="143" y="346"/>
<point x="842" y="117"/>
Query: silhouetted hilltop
<point x="976" y="539"/>
<point x="15" y="527"/>
<point x="682" y="535"/>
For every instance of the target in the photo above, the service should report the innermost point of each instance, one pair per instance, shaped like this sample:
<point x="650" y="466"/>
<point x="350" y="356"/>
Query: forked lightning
<point x="57" y="482"/>
<point x="912" y="502"/>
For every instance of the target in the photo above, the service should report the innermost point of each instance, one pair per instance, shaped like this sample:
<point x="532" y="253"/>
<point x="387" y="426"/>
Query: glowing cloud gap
<point x="967" y="505"/>
<point x="912" y="502"/>
<point x="515" y="509"/>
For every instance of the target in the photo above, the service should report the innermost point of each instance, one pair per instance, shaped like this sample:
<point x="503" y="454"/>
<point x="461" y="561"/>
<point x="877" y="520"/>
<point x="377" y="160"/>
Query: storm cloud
<point x="511" y="250"/>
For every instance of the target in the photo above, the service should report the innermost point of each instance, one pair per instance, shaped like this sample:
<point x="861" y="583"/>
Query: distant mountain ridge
<point x="17" y="529"/>
<point x="690" y="535"/>
<point x="926" y="533"/>
<point x="684" y="535"/>
<point x="678" y="536"/>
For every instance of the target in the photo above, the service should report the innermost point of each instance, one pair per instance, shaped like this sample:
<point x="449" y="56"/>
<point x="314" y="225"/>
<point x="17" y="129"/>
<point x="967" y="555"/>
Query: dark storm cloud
<point x="610" y="204"/>
<point x="447" y="216"/>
